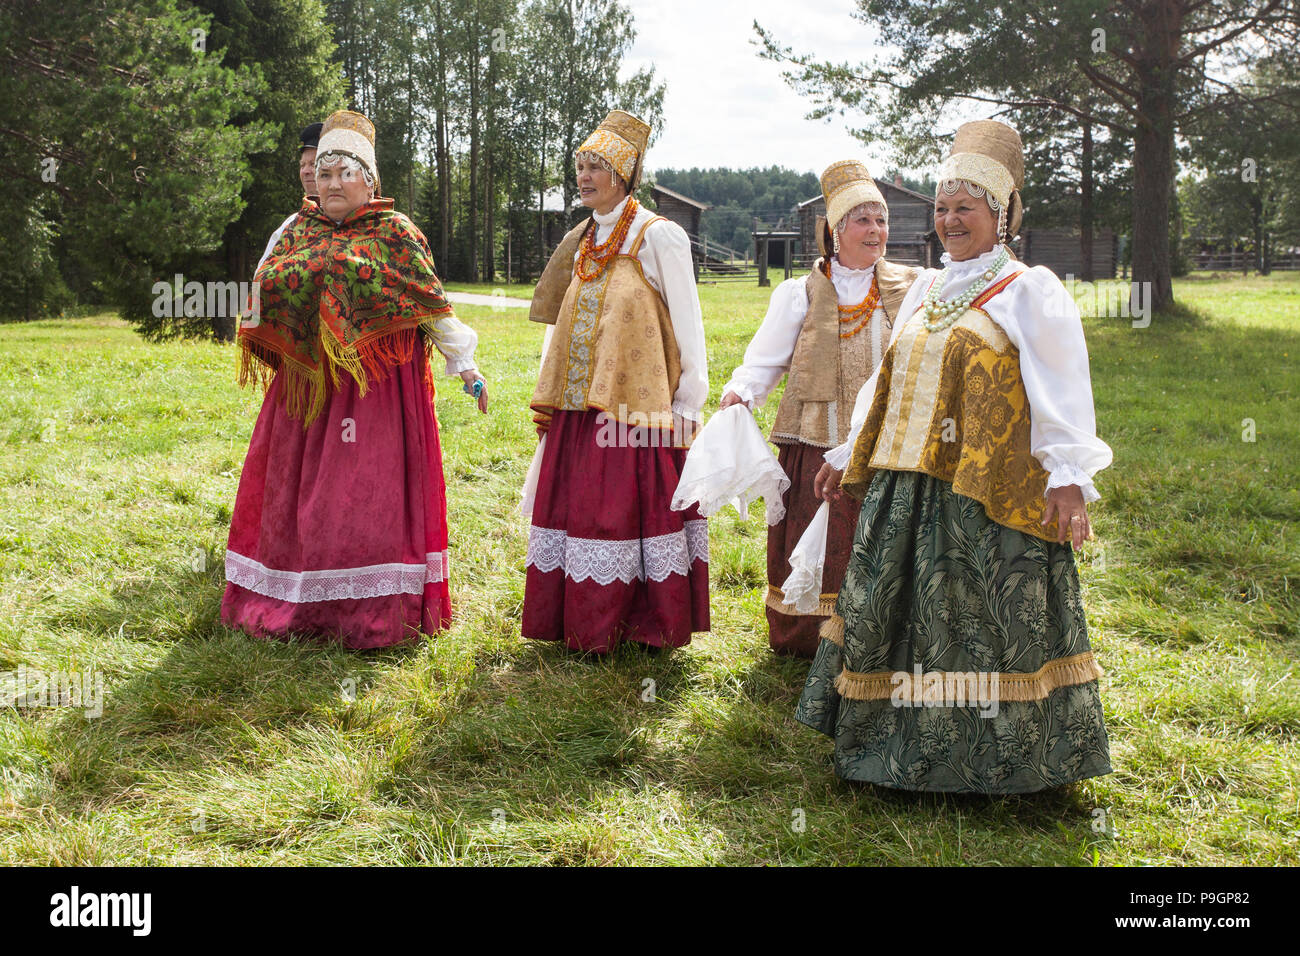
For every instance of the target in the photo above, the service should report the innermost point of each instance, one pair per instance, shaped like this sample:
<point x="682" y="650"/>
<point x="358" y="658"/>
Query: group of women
<point x="943" y="419"/>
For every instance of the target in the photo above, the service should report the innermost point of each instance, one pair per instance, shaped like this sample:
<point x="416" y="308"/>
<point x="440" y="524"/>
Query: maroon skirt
<point x="340" y="530"/>
<point x="608" y="558"/>
<point x="788" y="631"/>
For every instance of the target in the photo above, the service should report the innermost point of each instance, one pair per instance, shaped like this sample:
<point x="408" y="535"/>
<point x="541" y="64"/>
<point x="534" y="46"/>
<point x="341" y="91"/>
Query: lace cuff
<point x="1063" y="475"/>
<point x="685" y="411"/>
<point x="838" y="457"/>
<point x="745" y="392"/>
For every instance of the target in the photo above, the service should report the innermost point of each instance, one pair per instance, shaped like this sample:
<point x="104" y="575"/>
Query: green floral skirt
<point x="963" y="664"/>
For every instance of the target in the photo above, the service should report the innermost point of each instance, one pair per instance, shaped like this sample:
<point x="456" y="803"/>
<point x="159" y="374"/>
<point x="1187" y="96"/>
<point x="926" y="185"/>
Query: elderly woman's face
<point x="863" y="238"/>
<point x="967" y="227"/>
<point x="307" y="171"/>
<point x="341" y="190"/>
<point x="598" y="188"/>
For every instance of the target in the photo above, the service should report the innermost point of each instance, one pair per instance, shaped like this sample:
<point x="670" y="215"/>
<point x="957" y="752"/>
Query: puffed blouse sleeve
<point x="457" y="342"/>
<point x="665" y="257"/>
<point x="452" y="337"/>
<point x="1043" y="322"/>
<point x="769" y="353"/>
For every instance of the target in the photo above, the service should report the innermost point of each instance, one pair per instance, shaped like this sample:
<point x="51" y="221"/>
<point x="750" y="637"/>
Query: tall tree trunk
<point x="1153" y="171"/>
<point x="410" y="122"/>
<point x="1085" y="204"/>
<point x="441" y="147"/>
<point x="475" y="139"/>
<point x="489" y="196"/>
<point x="541" y="213"/>
<point x="1257" y="230"/>
<point x="1153" y="153"/>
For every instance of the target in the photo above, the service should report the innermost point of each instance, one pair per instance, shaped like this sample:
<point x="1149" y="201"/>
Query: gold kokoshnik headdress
<point x="988" y="156"/>
<point x="845" y="186"/>
<point x="621" y="140"/>
<point x="350" y="134"/>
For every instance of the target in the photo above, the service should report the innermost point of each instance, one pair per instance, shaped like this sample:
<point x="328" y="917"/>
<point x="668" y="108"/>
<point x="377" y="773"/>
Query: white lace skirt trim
<point x="306" y="587"/>
<point x="633" y="559"/>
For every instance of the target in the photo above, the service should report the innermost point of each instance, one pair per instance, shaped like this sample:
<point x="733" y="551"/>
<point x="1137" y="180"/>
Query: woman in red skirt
<point x="340" y="523"/>
<point x="622" y="382"/>
<point x="829" y="331"/>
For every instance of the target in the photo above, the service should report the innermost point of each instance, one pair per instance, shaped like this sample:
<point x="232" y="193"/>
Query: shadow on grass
<point x="202" y="704"/>
<point x="586" y="755"/>
<point x="565" y="744"/>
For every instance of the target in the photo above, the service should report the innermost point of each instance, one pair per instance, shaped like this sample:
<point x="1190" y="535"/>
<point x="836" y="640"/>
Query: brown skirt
<point x="788" y="631"/>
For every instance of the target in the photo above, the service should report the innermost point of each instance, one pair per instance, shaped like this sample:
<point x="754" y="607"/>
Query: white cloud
<point x="727" y="107"/>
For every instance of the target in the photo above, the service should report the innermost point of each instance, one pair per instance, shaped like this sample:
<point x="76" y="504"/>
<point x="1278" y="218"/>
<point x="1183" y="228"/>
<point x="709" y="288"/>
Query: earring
<point x="835" y="241"/>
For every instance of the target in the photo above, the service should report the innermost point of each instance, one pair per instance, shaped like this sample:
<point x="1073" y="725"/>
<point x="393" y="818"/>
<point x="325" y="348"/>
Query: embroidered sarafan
<point x="614" y="349"/>
<point x="351" y="297"/>
<point x="952" y="404"/>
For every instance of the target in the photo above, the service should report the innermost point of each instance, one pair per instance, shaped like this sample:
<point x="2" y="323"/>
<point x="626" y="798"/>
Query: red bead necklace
<point x="862" y="312"/>
<point x="601" y="255"/>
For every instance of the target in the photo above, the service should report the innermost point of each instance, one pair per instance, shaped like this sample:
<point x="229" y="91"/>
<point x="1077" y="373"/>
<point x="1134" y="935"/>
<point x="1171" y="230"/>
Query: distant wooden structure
<point x="912" y="240"/>
<point x="1059" y="250"/>
<point x="684" y="211"/>
<point x="780" y="241"/>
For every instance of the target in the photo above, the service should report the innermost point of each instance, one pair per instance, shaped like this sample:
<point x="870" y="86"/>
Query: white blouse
<point x="452" y="337"/>
<point x="665" y="257"/>
<point x="1043" y="322"/>
<point x="769" y="353"/>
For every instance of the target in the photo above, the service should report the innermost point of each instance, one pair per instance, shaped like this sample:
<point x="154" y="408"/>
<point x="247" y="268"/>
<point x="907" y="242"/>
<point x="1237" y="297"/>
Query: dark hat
<point x="310" y="137"/>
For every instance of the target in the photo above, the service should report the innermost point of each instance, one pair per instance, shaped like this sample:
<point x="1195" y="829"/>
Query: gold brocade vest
<point x="614" y="349"/>
<point x="952" y="404"/>
<point x="826" y="370"/>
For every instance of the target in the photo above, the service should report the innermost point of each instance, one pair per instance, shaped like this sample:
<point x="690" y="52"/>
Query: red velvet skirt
<point x="608" y="558"/>
<point x="340" y="530"/>
<point x="789" y="632"/>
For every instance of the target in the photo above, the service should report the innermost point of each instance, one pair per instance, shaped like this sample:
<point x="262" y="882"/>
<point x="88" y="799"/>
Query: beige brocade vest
<point x="614" y="349"/>
<point x="826" y="371"/>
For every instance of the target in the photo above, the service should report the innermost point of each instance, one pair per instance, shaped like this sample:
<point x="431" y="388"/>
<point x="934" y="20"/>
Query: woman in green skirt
<point x="958" y="657"/>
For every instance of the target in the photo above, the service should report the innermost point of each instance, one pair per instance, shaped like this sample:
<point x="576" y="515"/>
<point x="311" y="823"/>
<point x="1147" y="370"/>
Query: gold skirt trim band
<point x="776" y="601"/>
<point x="833" y="629"/>
<point x="971" y="686"/>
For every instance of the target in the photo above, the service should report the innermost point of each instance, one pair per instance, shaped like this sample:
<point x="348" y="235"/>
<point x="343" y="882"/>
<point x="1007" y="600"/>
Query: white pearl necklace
<point x="938" y="314"/>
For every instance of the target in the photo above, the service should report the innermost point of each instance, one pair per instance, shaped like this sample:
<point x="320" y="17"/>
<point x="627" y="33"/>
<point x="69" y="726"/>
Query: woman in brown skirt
<point x="828" y="330"/>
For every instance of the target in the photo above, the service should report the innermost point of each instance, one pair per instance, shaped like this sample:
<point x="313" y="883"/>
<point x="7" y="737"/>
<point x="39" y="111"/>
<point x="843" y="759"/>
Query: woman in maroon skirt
<point x="340" y="523"/>
<point x="622" y="382"/>
<point x="829" y="331"/>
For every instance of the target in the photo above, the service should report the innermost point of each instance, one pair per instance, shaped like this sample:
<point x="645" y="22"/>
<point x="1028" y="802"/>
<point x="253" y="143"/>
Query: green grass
<point x="120" y="466"/>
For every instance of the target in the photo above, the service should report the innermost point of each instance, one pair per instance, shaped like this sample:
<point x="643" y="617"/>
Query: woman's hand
<point x="731" y="398"/>
<point x="826" y="486"/>
<point x="1067" y="506"/>
<point x="469" y="377"/>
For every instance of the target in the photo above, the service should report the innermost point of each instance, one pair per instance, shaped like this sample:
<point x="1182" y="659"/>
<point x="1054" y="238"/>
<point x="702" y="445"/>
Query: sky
<point x="724" y="105"/>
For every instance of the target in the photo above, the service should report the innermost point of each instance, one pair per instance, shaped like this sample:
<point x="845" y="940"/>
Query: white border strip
<point x="307" y="587"/>
<point x="626" y="560"/>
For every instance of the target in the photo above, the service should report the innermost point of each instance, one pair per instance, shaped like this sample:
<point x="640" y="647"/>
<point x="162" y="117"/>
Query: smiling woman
<point x="828" y="330"/>
<point x="608" y="559"/>
<point x="960" y="598"/>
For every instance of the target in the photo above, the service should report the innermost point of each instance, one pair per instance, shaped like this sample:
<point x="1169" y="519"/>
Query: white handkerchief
<point x="803" y="588"/>
<point x="530" y="481"/>
<point x="730" y="464"/>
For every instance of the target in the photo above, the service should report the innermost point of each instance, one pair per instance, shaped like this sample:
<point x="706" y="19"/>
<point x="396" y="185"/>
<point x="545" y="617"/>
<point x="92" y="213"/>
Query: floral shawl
<point x="351" y="296"/>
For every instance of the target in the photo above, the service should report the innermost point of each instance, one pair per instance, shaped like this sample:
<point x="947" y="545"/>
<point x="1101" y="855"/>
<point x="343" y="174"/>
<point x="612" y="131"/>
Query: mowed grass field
<point x="118" y="474"/>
